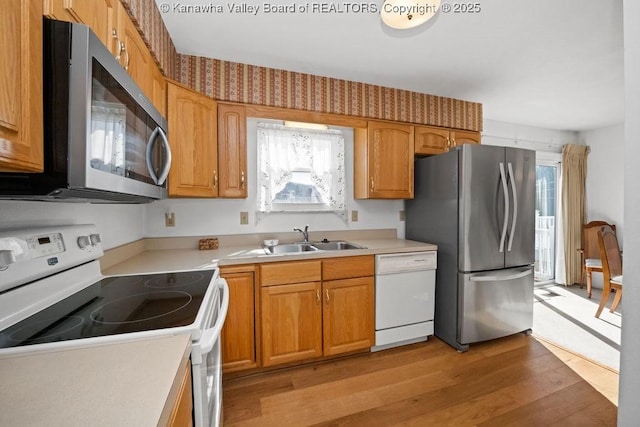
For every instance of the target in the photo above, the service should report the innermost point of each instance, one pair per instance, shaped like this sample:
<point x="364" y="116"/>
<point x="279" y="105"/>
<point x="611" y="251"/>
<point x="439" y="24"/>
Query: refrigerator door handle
<point x="515" y="205"/>
<point x="506" y="207"/>
<point x="518" y="275"/>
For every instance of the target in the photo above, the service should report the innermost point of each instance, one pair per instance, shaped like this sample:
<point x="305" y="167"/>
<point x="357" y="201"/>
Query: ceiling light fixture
<point x="404" y="14"/>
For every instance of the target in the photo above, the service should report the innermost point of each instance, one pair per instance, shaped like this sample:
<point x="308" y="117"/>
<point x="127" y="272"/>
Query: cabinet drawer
<point x="290" y="272"/>
<point x="345" y="268"/>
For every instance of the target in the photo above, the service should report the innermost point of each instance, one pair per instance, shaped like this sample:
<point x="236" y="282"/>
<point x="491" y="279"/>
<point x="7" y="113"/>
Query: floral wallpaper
<point x="230" y="81"/>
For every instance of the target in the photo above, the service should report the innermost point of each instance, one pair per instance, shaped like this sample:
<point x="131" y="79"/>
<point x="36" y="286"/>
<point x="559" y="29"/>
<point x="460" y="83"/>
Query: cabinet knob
<point x="242" y="183"/>
<point x="326" y="293"/>
<point x="317" y="296"/>
<point x="215" y="178"/>
<point x="372" y="186"/>
<point x="448" y="142"/>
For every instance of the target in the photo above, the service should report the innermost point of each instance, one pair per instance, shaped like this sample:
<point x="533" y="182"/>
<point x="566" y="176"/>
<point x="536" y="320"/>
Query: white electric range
<point x="53" y="295"/>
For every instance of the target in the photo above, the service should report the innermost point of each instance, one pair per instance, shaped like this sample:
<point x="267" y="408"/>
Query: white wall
<point x="118" y="224"/>
<point x="533" y="138"/>
<point x="605" y="175"/>
<point x="628" y="409"/>
<point x="196" y="217"/>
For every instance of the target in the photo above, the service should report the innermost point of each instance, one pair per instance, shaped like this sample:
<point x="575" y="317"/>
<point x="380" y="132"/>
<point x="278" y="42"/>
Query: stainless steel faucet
<point x="305" y="233"/>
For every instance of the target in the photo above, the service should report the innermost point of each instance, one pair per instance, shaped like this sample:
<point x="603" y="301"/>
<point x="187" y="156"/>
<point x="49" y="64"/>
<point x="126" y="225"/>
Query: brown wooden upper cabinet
<point x="97" y="14"/>
<point x="136" y="58"/>
<point x="193" y="140"/>
<point x="113" y="26"/>
<point x="383" y="161"/>
<point x="232" y="150"/>
<point x="433" y="140"/>
<point x="21" y="118"/>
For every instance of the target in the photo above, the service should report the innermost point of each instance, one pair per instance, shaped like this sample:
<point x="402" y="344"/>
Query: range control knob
<point x="7" y="257"/>
<point x="83" y="242"/>
<point x="95" y="239"/>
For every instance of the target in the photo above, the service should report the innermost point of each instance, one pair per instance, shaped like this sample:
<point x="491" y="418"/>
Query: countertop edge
<point x="153" y="260"/>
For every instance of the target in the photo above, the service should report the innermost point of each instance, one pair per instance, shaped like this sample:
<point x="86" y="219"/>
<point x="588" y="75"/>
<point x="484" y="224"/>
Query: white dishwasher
<point x="405" y="298"/>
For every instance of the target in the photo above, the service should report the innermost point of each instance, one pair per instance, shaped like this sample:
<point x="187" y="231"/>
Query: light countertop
<point x="167" y="259"/>
<point x="121" y="384"/>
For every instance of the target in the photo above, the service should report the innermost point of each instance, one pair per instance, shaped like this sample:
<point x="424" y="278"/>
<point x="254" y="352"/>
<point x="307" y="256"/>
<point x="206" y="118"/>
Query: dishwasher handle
<point x="405" y="262"/>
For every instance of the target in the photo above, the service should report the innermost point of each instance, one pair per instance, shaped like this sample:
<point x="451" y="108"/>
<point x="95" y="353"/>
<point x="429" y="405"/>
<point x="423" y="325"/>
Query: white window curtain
<point x="282" y="150"/>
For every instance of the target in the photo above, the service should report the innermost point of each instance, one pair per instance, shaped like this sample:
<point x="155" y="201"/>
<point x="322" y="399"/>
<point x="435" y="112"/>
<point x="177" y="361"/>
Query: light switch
<point x="170" y="219"/>
<point x="354" y="216"/>
<point x="244" y="218"/>
<point x="403" y="215"/>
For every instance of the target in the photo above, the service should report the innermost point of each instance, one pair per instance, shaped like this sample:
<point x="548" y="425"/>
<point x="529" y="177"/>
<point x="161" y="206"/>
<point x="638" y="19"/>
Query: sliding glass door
<point x="546" y="210"/>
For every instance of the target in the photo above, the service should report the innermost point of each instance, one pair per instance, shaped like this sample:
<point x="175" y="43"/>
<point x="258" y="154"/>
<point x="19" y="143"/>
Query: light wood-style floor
<point x="512" y="381"/>
<point x="604" y="379"/>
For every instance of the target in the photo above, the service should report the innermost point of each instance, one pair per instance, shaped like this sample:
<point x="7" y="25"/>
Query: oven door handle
<point x="210" y="335"/>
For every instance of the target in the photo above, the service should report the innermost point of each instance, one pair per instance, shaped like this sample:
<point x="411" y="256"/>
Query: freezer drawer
<point x="495" y="304"/>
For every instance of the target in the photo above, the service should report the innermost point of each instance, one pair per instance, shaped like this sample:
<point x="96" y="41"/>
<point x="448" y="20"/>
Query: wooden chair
<point x="611" y="267"/>
<point x="590" y="251"/>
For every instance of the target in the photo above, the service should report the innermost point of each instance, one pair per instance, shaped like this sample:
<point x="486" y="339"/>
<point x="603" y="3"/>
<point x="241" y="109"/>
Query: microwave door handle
<point x="209" y="336"/>
<point x="164" y="173"/>
<point x="159" y="180"/>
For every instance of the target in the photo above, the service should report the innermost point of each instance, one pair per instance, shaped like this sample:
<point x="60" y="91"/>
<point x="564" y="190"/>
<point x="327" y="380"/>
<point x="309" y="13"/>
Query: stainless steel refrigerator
<point x="477" y="203"/>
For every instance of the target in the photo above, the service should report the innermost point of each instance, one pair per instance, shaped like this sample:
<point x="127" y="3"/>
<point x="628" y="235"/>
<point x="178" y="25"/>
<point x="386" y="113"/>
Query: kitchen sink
<point x="293" y="248"/>
<point x="336" y="246"/>
<point x="290" y="248"/>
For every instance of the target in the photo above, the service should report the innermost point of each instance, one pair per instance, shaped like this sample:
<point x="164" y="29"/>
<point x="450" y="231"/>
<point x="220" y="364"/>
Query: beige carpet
<point x="565" y="316"/>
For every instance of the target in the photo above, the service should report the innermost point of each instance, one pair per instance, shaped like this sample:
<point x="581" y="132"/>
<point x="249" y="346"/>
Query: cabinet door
<point x="431" y="140"/>
<point x="291" y="323"/>
<point x="238" y="333"/>
<point x="135" y="56"/>
<point x="181" y="412"/>
<point x="460" y="137"/>
<point x="192" y="137"/>
<point x="232" y="150"/>
<point x="384" y="162"/>
<point x="21" y="116"/>
<point x="348" y="315"/>
<point x="97" y="14"/>
<point x="159" y="91"/>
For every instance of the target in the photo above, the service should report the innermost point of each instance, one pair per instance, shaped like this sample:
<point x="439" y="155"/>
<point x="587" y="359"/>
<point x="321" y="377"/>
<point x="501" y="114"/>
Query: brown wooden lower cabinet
<point x="291" y="323"/>
<point x="239" y="331"/>
<point x="314" y="319"/>
<point x="292" y="311"/>
<point x="348" y="315"/>
<point x="181" y="414"/>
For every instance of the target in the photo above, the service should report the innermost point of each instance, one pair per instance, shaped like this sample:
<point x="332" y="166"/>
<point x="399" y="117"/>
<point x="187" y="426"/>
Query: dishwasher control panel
<point x="406" y="261"/>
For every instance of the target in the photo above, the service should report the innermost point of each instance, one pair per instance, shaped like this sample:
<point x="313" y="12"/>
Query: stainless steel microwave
<point x="104" y="141"/>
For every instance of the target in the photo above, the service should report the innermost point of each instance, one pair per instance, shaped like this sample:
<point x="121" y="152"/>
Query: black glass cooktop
<point x="116" y="305"/>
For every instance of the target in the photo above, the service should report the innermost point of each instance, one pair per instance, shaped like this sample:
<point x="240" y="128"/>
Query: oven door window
<point x="121" y="131"/>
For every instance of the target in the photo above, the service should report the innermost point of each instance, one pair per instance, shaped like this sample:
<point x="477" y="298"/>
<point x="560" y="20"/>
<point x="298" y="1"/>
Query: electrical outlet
<point x="403" y="215"/>
<point x="244" y="218"/>
<point x="169" y="219"/>
<point x="354" y="216"/>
